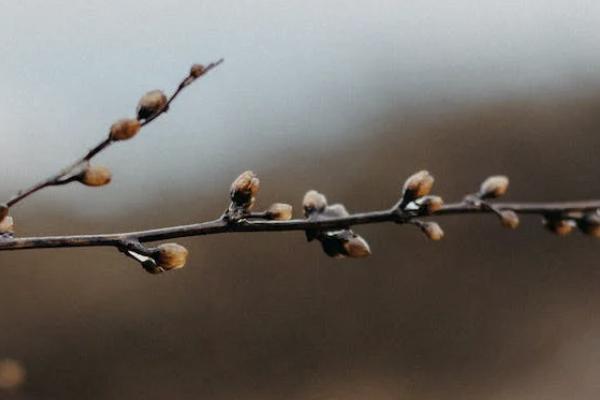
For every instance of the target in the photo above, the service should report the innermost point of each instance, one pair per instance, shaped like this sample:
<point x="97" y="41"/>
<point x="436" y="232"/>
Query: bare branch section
<point x="331" y="225"/>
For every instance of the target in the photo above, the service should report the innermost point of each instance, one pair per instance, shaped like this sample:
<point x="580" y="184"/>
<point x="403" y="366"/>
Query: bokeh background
<point x="345" y="97"/>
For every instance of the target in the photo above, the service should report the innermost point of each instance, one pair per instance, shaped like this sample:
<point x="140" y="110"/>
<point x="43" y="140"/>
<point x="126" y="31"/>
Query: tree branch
<point x="330" y="225"/>
<point x="73" y="171"/>
<point x="222" y="225"/>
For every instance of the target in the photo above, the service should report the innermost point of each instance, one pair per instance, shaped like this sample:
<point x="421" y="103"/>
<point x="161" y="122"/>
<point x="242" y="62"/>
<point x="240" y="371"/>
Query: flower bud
<point x="244" y="188"/>
<point x="357" y="247"/>
<point x="124" y="129"/>
<point x="280" y="212"/>
<point x="417" y="185"/>
<point x="313" y="202"/>
<point x="494" y="186"/>
<point x="7" y="225"/>
<point x="429" y="204"/>
<point x="96" y="176"/>
<point x="197" y="70"/>
<point x="432" y="230"/>
<point x="509" y="219"/>
<point x="590" y="224"/>
<point x="560" y="227"/>
<point x="151" y="104"/>
<point x="171" y="256"/>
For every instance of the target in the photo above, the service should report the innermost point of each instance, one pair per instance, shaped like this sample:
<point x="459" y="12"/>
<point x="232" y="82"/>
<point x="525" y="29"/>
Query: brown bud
<point x="509" y="219"/>
<point x="151" y="104"/>
<point x="590" y="224"/>
<point x="494" y="186"/>
<point x="96" y="176"/>
<point x="12" y="374"/>
<point x="197" y="70"/>
<point x="430" y="204"/>
<point x="280" y="212"/>
<point x="124" y="129"/>
<point x="417" y="185"/>
<point x="357" y="247"/>
<point x="560" y="227"/>
<point x="432" y="230"/>
<point x="313" y="202"/>
<point x="171" y="256"/>
<point x="3" y="211"/>
<point x="7" y="225"/>
<point x="244" y="188"/>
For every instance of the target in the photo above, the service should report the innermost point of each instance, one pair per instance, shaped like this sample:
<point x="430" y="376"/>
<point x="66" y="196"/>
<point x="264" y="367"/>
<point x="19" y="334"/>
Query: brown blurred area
<point x="484" y="314"/>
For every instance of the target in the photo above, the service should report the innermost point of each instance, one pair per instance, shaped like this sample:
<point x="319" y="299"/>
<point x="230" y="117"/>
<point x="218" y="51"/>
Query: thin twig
<point x="245" y="225"/>
<point x="67" y="174"/>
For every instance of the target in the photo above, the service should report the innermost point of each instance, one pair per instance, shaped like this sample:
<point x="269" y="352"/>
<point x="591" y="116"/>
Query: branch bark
<point x="246" y="225"/>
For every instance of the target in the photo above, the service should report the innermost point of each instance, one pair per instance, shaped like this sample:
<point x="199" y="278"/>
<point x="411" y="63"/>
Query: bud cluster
<point x="338" y="243"/>
<point x="494" y="187"/>
<point x="417" y="201"/>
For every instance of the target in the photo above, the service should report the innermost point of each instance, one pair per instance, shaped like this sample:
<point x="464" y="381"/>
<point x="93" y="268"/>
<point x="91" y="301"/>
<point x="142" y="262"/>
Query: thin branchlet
<point x="330" y="225"/>
<point x="70" y="173"/>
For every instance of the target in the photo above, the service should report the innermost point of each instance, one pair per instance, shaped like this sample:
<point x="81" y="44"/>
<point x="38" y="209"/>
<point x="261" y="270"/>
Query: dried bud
<point x="96" y="176"/>
<point x="432" y="230"/>
<point x="151" y="104"/>
<point x="357" y="247"/>
<point x="429" y="204"/>
<point x="171" y="256"/>
<point x="124" y="129"/>
<point x="590" y="224"/>
<point x="7" y="225"/>
<point x="494" y="186"/>
<point x="560" y="227"/>
<point x="12" y="374"/>
<point x="280" y="212"/>
<point x="417" y="185"/>
<point x="509" y="219"/>
<point x="3" y="211"/>
<point x="313" y="202"/>
<point x="197" y="70"/>
<point x="244" y="188"/>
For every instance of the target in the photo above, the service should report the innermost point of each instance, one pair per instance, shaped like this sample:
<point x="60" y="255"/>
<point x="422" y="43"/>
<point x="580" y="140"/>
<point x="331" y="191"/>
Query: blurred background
<point x="345" y="97"/>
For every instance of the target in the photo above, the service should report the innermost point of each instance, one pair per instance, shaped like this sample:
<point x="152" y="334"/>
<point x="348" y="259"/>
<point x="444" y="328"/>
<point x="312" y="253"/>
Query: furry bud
<point x="493" y="187"/>
<point x="509" y="219"/>
<point x="280" y="212"/>
<point x="429" y="204"/>
<point x="197" y="70"/>
<point x="590" y="224"/>
<point x="335" y="211"/>
<point x="313" y="202"/>
<point x="151" y="104"/>
<point x="357" y="247"/>
<point x="96" y="176"/>
<point x="244" y="188"/>
<point x="171" y="256"/>
<point x="124" y="129"/>
<point x="417" y="185"/>
<point x="432" y="230"/>
<point x="560" y="227"/>
<point x="7" y="225"/>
